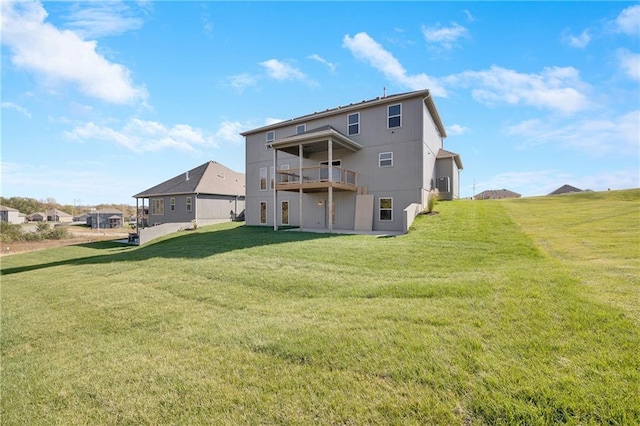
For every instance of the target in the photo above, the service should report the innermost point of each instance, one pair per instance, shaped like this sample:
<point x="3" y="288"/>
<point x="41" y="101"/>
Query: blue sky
<point x="103" y="100"/>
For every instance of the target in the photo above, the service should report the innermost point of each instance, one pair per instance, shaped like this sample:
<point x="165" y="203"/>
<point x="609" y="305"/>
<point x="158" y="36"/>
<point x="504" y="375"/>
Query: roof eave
<point x="316" y="137"/>
<point x="431" y="107"/>
<point x="340" y="110"/>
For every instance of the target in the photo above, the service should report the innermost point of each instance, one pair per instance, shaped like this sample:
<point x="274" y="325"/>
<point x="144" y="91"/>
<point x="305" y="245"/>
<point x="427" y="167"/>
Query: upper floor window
<point x="272" y="169"/>
<point x="263" y="178"/>
<point x="271" y="137"/>
<point x="394" y="115"/>
<point x="385" y="159"/>
<point x="301" y="128"/>
<point x="353" y="124"/>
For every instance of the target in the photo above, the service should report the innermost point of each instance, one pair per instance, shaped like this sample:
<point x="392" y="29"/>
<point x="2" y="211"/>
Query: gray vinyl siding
<point x="414" y="146"/>
<point x="218" y="207"/>
<point x="207" y="207"/>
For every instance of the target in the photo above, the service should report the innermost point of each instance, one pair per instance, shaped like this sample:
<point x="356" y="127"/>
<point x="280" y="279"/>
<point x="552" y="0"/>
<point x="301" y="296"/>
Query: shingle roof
<point x="443" y="153"/>
<point x="208" y="178"/>
<point x="10" y="209"/>
<point x="358" y="105"/>
<point x="565" y="189"/>
<point x="496" y="194"/>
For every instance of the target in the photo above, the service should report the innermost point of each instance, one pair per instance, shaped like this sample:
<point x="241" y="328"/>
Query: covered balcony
<point x="316" y="179"/>
<point x="325" y="177"/>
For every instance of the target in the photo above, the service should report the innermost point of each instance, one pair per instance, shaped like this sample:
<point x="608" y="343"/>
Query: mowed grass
<point x="492" y="312"/>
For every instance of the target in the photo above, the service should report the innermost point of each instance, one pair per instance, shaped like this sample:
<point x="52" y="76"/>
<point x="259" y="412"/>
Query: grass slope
<point x="492" y="312"/>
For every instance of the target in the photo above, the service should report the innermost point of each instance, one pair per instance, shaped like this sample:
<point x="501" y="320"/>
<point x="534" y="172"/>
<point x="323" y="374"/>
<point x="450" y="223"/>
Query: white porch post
<point x="275" y="191"/>
<point x="300" y="192"/>
<point x="330" y="170"/>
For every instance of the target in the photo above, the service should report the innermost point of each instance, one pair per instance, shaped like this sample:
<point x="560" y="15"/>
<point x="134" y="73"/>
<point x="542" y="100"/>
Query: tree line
<point x="31" y="205"/>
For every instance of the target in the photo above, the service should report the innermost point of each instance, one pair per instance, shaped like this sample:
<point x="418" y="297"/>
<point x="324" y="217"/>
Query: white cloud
<point x="617" y="136"/>
<point x="229" y="131"/>
<point x="630" y="63"/>
<point x="98" y="19"/>
<point x="628" y="21"/>
<point x="444" y="36"/>
<point x="555" y="88"/>
<point x="456" y="129"/>
<point x="241" y="81"/>
<point x="62" y="56"/>
<point x="144" y="136"/>
<point x="469" y="16"/>
<point x="580" y="41"/>
<point x="364" y="48"/>
<point x="318" y="58"/>
<point x="271" y="120"/>
<point x="279" y="70"/>
<point x="17" y="108"/>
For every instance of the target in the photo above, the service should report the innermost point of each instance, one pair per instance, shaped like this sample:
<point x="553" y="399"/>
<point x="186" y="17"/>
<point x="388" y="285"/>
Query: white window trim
<point x="391" y="116"/>
<point x="268" y="141"/>
<point x="266" y="179"/>
<point x="304" y="128"/>
<point x="172" y="204"/>
<point x="189" y="205"/>
<point x="266" y="213"/>
<point x="272" y="175"/>
<point x="153" y="207"/>
<point x="357" y="123"/>
<point x="380" y="159"/>
<point x="380" y="209"/>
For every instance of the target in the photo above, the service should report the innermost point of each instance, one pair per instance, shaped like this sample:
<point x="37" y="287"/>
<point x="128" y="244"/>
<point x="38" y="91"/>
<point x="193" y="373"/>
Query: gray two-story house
<point x="366" y="166"/>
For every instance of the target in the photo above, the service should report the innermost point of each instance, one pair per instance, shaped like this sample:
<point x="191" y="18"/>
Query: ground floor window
<point x="172" y="204"/>
<point x="157" y="206"/>
<point x="188" y="204"/>
<point x="285" y="212"/>
<point x="263" y="212"/>
<point x="386" y="208"/>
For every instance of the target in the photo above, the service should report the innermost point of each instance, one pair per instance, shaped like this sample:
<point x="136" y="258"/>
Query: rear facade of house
<point x="356" y="167"/>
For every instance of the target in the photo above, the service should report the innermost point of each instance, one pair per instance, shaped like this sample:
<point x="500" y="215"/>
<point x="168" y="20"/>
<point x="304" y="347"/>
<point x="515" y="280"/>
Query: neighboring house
<point x="82" y="218"/>
<point x="11" y="215"/>
<point x="55" y="215"/>
<point x="37" y="217"/>
<point x="565" y="189"/>
<point x="210" y="193"/>
<point x="105" y="219"/>
<point x="495" y="194"/>
<point x="367" y="166"/>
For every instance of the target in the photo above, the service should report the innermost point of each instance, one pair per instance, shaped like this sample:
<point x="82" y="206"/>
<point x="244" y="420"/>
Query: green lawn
<point x="492" y="312"/>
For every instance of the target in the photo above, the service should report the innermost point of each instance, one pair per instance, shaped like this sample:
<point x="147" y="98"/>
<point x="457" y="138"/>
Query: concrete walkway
<point x="346" y="232"/>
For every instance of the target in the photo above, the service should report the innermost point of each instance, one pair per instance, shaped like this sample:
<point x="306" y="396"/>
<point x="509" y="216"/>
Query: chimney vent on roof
<point x="384" y="91"/>
<point x="187" y="176"/>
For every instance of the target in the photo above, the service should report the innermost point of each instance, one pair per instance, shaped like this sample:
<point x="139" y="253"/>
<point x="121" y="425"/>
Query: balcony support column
<point x="330" y="170"/>
<point x="275" y="191"/>
<point x="300" y="192"/>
